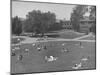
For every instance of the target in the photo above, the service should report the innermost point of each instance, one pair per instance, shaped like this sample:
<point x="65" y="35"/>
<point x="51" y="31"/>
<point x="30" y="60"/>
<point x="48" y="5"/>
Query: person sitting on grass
<point x="17" y="48"/>
<point x="77" y="66"/>
<point x="20" y="57"/>
<point x="42" y="48"/>
<point x="65" y="50"/>
<point x="45" y="47"/>
<point x="13" y="54"/>
<point x="26" y="50"/>
<point x="33" y="44"/>
<point x="50" y="58"/>
<point x="63" y="44"/>
<point x="39" y="49"/>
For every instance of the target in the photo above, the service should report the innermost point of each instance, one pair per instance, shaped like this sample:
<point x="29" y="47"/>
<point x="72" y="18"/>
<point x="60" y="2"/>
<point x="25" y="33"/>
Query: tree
<point x="77" y="15"/>
<point x="16" y="25"/>
<point x="56" y="26"/>
<point x="39" y="22"/>
<point x="93" y="17"/>
<point x="93" y="29"/>
<point x="92" y="13"/>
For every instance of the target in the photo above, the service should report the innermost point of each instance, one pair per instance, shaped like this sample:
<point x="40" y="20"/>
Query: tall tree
<point x="76" y="15"/>
<point x="39" y="22"/>
<point x="16" y="25"/>
<point x="93" y="17"/>
<point x="92" y="13"/>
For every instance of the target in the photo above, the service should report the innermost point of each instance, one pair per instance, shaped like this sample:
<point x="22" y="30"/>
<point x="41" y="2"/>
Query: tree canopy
<point x="16" y="25"/>
<point x="38" y="22"/>
<point x="93" y="17"/>
<point x="76" y="15"/>
<point x="92" y="13"/>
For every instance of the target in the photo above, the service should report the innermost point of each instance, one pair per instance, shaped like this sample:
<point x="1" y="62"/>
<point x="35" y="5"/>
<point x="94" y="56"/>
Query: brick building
<point x="86" y="24"/>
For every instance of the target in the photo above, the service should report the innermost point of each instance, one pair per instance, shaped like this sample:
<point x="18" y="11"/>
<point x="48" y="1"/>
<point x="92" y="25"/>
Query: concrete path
<point x="34" y="40"/>
<point x="89" y="35"/>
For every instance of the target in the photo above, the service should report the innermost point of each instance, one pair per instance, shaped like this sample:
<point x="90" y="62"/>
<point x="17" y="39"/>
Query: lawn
<point x="69" y="35"/>
<point x="64" y="34"/>
<point x="34" y="61"/>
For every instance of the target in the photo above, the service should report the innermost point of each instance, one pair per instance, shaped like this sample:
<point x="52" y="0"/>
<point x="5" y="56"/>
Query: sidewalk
<point x="89" y="35"/>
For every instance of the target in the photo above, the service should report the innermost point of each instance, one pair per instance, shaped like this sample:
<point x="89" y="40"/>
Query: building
<point x="86" y="24"/>
<point x="67" y="25"/>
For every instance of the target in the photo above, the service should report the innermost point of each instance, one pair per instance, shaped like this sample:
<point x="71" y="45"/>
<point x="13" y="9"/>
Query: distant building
<point x="67" y="25"/>
<point x="86" y="24"/>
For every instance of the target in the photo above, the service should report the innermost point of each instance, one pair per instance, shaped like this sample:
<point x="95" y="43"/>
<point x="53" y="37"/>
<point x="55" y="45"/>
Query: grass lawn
<point x="69" y="35"/>
<point x="64" y="34"/>
<point x="34" y="61"/>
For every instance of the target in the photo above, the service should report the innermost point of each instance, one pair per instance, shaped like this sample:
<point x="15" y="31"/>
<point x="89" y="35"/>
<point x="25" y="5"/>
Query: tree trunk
<point x="42" y="35"/>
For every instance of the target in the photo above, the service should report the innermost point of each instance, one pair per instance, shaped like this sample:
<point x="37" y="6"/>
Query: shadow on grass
<point x="51" y="36"/>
